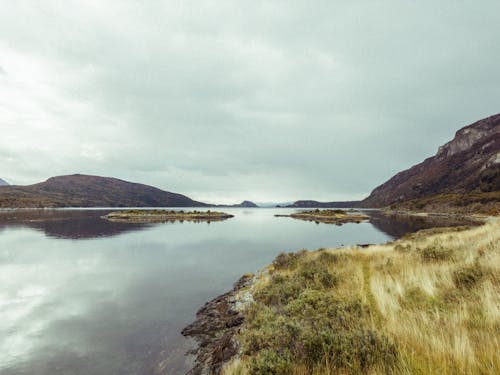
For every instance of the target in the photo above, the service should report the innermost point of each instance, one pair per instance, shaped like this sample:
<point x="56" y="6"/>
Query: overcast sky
<point x="232" y="100"/>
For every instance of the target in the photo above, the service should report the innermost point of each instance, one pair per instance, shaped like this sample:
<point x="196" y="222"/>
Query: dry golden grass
<point x="435" y="295"/>
<point x="444" y="323"/>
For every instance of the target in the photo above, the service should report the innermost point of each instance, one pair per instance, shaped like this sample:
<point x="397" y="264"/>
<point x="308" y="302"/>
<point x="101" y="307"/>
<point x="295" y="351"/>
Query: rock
<point x="215" y="327"/>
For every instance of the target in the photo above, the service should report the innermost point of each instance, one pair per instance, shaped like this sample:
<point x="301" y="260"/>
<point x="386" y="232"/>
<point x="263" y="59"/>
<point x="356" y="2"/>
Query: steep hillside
<point x="468" y="166"/>
<point x="90" y="191"/>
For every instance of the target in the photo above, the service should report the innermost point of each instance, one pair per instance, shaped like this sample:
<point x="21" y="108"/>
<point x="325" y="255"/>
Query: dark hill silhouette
<point x="90" y="191"/>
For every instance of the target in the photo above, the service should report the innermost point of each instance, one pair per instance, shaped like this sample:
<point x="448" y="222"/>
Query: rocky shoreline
<point x="216" y="326"/>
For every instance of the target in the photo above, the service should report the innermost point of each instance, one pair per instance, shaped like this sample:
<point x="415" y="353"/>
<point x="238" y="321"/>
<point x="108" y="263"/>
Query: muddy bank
<point x="216" y="325"/>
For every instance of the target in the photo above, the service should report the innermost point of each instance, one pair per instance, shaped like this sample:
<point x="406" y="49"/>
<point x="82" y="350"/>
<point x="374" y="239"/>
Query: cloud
<point x="241" y="100"/>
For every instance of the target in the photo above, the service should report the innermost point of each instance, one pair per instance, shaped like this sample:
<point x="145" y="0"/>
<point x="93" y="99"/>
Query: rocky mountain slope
<point x="469" y="164"/>
<point x="90" y="191"/>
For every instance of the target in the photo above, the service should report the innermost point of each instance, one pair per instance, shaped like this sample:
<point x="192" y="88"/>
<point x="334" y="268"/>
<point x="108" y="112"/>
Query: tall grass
<point x="428" y="304"/>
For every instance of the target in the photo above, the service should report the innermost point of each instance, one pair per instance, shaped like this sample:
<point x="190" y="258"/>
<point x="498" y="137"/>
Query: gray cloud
<point x="241" y="100"/>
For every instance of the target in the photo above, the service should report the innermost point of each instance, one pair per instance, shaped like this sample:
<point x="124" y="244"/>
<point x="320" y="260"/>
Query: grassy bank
<point x="471" y="203"/>
<point x="426" y="304"/>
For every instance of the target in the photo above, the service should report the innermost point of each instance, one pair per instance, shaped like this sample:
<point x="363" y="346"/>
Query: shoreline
<point x="216" y="326"/>
<point x="474" y="217"/>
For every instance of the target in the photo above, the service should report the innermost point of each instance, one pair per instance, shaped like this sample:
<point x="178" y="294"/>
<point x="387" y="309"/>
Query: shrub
<point x="280" y="290"/>
<point x="309" y="303"/>
<point x="467" y="277"/>
<point x="316" y="275"/>
<point x="435" y="253"/>
<point x="287" y="260"/>
<point x="270" y="331"/>
<point x="402" y="248"/>
<point x="332" y="258"/>
<point x="269" y="362"/>
<point x="417" y="298"/>
<point x="355" y="349"/>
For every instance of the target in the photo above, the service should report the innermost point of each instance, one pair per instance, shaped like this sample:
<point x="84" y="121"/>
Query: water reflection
<point x="68" y="224"/>
<point x="398" y="225"/>
<point x="117" y="304"/>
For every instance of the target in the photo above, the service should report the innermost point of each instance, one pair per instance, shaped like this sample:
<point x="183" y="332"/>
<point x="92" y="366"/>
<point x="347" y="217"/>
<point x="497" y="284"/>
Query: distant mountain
<point x="3" y="182"/>
<point x="246" y="204"/>
<point x="469" y="164"/>
<point x="90" y="191"/>
<point x="316" y="204"/>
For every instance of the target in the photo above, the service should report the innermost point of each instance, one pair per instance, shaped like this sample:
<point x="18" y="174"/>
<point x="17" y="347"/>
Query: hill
<point x="3" y="182"/>
<point x="90" y="191"/>
<point x="247" y="204"/>
<point x="465" y="172"/>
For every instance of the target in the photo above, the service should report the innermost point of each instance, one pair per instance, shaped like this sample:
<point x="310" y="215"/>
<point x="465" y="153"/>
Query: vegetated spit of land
<point x="328" y="216"/>
<point x="426" y="304"/>
<point x="165" y="215"/>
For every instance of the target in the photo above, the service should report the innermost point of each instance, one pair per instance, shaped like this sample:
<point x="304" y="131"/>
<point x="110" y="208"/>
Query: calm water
<point x="80" y="295"/>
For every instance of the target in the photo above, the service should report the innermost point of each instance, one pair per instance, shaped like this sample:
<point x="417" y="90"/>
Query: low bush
<point x="269" y="362"/>
<point x="332" y="258"/>
<point x="316" y="275"/>
<point x="415" y="298"/>
<point x="280" y="290"/>
<point x="354" y="350"/>
<point x="435" y="253"/>
<point x="287" y="260"/>
<point x="468" y="277"/>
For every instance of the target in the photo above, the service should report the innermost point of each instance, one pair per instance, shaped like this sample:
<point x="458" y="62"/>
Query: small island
<point x="337" y="217"/>
<point x="160" y="216"/>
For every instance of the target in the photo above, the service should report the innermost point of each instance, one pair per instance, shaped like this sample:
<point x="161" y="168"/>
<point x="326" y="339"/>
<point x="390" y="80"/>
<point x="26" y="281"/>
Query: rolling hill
<point x="90" y="191"/>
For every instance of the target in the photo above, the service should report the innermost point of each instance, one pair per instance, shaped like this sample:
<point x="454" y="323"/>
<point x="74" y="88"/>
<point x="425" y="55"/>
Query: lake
<point x="81" y="295"/>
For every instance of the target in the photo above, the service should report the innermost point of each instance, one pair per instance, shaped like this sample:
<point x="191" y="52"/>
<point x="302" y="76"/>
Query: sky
<point x="231" y="100"/>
